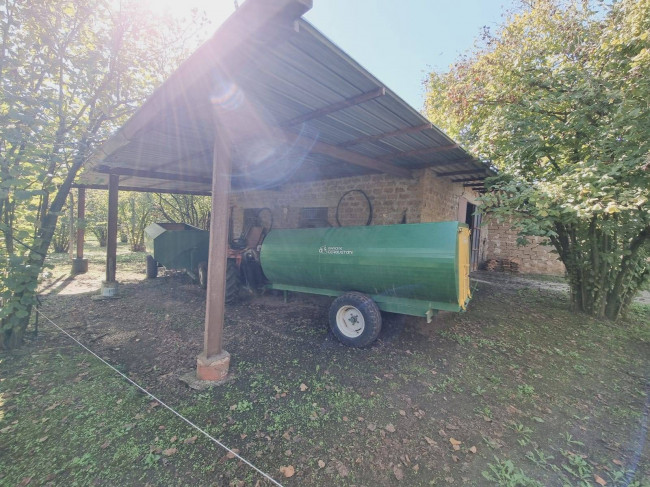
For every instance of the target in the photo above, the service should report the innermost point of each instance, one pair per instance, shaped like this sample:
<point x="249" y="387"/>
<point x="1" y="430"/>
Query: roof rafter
<point x="143" y="190"/>
<point x="467" y="180"/>
<point x="461" y="173"/>
<point x="139" y="173"/>
<point x="335" y="107"/>
<point x="385" y="135"/>
<point x="347" y="156"/>
<point x="419" y="152"/>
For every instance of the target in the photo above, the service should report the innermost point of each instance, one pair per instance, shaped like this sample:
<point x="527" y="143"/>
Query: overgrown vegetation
<point x="70" y="71"/>
<point x="190" y="209"/>
<point x="557" y="99"/>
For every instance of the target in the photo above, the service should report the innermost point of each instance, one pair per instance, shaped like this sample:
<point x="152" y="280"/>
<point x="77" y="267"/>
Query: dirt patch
<point x="514" y="282"/>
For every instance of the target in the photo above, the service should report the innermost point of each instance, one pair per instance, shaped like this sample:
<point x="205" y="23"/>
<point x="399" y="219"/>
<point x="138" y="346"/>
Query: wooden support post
<point x="80" y="265"/>
<point x="214" y="362"/>
<point x="109" y="286"/>
<point x="71" y="238"/>
<point x="81" y="222"/>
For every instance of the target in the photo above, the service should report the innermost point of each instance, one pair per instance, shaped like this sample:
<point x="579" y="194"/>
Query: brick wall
<point x="534" y="258"/>
<point x="392" y="198"/>
<point x="440" y="198"/>
<point x="425" y="198"/>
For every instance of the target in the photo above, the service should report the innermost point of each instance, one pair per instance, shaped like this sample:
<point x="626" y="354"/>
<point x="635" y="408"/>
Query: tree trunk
<point x="598" y="287"/>
<point x="24" y="297"/>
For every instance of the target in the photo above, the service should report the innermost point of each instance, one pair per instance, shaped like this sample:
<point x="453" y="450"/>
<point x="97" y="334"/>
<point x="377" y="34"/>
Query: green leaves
<point x="557" y="100"/>
<point x="66" y="66"/>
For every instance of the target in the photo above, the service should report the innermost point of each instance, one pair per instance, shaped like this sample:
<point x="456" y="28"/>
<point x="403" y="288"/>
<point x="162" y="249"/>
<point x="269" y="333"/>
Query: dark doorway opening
<point x="473" y="218"/>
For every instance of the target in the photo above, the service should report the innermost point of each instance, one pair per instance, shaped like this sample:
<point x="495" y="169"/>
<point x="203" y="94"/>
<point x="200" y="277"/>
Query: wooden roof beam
<point x="461" y="173"/>
<point x="348" y="156"/>
<point x="467" y="180"/>
<point x="165" y="176"/>
<point x="419" y="152"/>
<point x="335" y="107"/>
<point x="143" y="190"/>
<point x="385" y="135"/>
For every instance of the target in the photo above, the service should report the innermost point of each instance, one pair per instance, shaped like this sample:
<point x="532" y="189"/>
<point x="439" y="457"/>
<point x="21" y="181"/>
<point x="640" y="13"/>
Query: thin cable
<point x="162" y="403"/>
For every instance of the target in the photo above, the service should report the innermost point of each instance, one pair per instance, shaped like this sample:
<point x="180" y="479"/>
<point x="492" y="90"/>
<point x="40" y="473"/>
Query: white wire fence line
<point x="145" y="391"/>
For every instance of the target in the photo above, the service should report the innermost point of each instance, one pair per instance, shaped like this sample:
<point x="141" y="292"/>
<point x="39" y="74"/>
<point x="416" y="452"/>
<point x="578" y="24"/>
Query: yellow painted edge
<point x="464" y="293"/>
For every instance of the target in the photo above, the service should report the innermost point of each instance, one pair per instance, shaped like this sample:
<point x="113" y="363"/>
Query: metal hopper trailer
<point x="414" y="269"/>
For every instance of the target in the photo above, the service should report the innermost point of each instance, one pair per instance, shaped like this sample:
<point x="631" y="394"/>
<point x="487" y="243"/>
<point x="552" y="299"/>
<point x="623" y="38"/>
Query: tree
<point x="71" y="71"/>
<point x="136" y="211"/>
<point x="96" y="220"/>
<point x="557" y="99"/>
<point x="190" y="209"/>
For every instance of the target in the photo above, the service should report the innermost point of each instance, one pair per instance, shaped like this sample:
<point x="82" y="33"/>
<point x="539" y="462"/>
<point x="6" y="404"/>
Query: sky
<point x="398" y="41"/>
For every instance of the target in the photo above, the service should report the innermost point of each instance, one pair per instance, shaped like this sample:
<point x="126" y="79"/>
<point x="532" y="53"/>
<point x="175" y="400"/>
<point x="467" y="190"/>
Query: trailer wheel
<point x="233" y="282"/>
<point x="355" y="319"/>
<point x="152" y="267"/>
<point x="202" y="274"/>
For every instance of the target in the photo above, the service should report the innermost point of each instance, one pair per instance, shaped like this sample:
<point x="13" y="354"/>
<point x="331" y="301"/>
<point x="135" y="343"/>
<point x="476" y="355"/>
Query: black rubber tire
<point x="233" y="282"/>
<point x="202" y="274"/>
<point x="152" y="267"/>
<point x="371" y="318"/>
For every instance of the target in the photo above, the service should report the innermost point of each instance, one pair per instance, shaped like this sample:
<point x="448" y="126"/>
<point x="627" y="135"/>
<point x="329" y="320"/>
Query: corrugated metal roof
<point x="313" y="112"/>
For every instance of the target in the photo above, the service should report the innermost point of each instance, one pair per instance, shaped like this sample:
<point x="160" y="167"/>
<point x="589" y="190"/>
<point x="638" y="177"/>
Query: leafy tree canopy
<point x="558" y="99"/>
<point x="71" y="71"/>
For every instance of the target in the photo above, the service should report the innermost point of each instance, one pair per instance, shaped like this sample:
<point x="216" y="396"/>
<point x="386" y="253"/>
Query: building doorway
<point x="473" y="218"/>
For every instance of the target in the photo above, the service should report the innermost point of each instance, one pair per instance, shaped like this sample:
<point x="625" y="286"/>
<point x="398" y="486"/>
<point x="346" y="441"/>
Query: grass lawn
<point x="518" y="391"/>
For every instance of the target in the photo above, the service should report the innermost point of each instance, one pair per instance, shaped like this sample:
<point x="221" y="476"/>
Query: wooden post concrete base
<point x="108" y="289"/>
<point x="79" y="266"/>
<point x="213" y="368"/>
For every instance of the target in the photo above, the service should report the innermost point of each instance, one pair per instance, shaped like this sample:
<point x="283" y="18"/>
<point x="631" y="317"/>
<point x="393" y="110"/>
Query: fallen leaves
<point x="342" y="470"/>
<point x="321" y="464"/>
<point x="455" y="444"/>
<point x="303" y="387"/>
<point x="397" y="471"/>
<point x="390" y="428"/>
<point x="599" y="480"/>
<point x="472" y="449"/>
<point x="430" y="441"/>
<point x="169" y="451"/>
<point x="288" y="471"/>
<point x="191" y="440"/>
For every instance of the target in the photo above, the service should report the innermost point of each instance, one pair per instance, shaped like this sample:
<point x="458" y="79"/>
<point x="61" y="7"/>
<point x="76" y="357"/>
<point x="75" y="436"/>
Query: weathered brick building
<point x="425" y="198"/>
<point x="534" y="258"/>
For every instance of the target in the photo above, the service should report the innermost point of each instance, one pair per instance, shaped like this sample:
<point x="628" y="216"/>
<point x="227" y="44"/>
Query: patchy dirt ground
<point x="517" y="391"/>
<point x="550" y="283"/>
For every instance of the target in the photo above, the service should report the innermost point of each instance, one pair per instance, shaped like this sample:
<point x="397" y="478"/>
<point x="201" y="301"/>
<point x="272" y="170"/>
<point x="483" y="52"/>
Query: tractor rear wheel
<point x="233" y="282"/>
